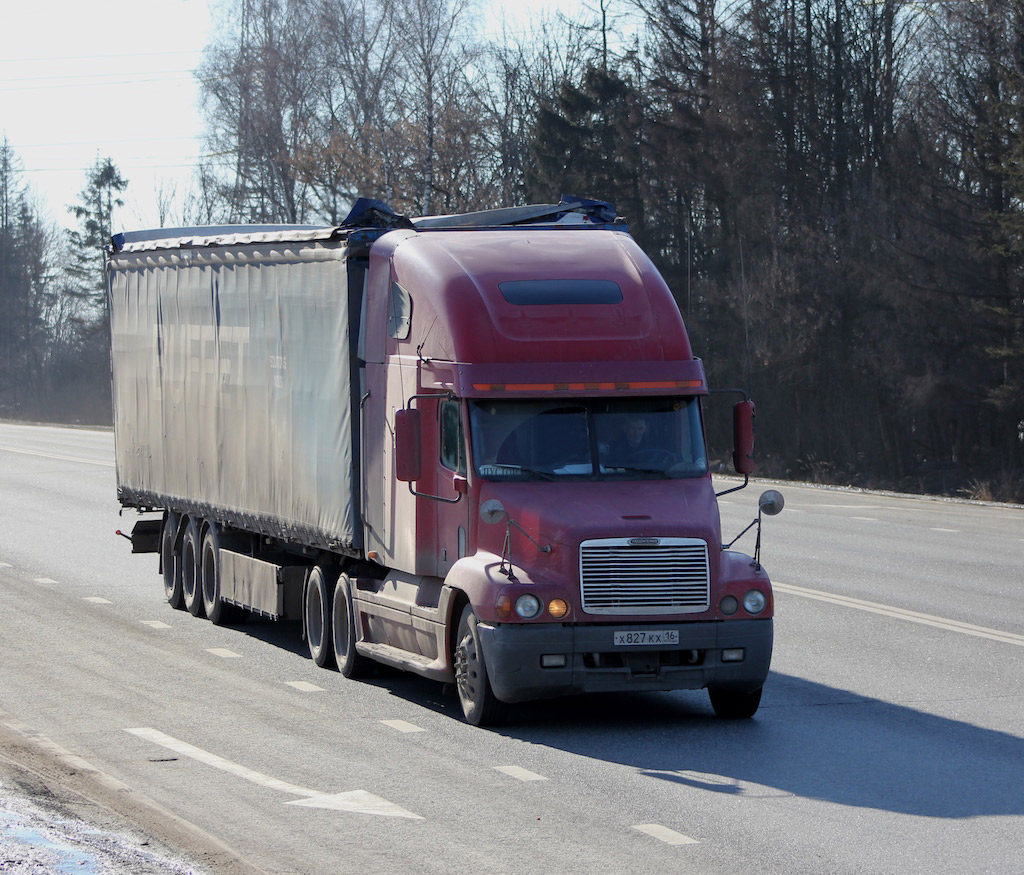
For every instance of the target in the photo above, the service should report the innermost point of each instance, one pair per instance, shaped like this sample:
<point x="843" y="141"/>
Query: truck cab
<point x="536" y="486"/>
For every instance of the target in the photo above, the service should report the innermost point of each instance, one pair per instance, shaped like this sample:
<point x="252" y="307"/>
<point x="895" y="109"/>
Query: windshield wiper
<point x="628" y="469"/>
<point x="547" y="475"/>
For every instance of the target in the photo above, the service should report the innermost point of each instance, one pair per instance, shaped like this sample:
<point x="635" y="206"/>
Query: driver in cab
<point x="631" y="441"/>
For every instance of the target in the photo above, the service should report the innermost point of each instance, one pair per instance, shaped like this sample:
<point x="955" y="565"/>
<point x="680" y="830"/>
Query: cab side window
<point x="453" y="443"/>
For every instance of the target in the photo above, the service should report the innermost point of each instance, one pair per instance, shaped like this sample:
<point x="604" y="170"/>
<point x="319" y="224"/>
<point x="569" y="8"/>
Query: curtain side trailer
<point x="469" y="447"/>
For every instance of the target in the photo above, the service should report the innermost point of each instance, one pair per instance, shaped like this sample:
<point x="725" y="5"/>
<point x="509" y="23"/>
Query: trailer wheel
<point x="350" y="662"/>
<point x="479" y="704"/>
<point x="216" y="609"/>
<point x="318" y="615"/>
<point x="170" y="561"/>
<point x="191" y="570"/>
<point x="734" y="705"/>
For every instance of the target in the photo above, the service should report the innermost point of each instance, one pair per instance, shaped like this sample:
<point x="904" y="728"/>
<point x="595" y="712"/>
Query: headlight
<point x="729" y="605"/>
<point x="754" y="602"/>
<point x="528" y="606"/>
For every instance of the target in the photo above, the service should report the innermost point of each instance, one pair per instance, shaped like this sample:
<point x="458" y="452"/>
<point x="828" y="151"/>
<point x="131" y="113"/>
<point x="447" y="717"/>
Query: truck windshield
<point x="593" y="439"/>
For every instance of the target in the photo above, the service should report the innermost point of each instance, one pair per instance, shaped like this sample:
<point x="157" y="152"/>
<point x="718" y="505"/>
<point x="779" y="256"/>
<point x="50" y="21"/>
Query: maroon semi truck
<point x="470" y="447"/>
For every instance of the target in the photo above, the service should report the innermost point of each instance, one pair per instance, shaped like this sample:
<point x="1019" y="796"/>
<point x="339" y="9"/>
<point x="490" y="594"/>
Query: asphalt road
<point x="890" y="738"/>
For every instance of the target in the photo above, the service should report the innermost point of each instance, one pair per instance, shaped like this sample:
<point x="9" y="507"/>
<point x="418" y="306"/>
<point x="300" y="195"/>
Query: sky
<point x="82" y="81"/>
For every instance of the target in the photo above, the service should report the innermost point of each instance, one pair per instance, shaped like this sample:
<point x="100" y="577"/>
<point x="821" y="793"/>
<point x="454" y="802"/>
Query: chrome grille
<point x="671" y="577"/>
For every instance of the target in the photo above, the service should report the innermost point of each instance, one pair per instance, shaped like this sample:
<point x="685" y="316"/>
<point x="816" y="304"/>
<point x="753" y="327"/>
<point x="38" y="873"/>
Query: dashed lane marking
<point x="950" y="531"/>
<point x="664" y="834"/>
<point x="44" y="580"/>
<point x="62" y="458"/>
<point x="6" y="565"/>
<point x="355" y="801"/>
<point x="155" y="624"/>
<point x="902" y="614"/>
<point x="847" y="506"/>
<point x="865" y="519"/>
<point x="97" y="600"/>
<point x="520" y="774"/>
<point x="223" y="653"/>
<point x="403" y="726"/>
<point x="305" y="686"/>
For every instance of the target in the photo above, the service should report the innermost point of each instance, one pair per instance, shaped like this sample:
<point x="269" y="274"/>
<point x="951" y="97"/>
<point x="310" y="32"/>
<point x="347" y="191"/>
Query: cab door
<point x="451" y="486"/>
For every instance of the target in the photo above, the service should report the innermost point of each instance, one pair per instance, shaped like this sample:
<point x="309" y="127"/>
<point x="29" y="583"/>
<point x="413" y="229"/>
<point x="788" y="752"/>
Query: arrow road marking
<point x="902" y="614"/>
<point x="358" y="801"/>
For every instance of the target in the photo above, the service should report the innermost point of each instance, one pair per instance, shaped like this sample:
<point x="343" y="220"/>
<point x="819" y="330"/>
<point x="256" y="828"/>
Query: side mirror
<point x="771" y="502"/>
<point x="743" y="438"/>
<point x="408" y="456"/>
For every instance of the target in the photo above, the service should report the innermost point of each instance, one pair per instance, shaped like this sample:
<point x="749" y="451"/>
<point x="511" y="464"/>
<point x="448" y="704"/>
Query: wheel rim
<point x="342" y="637"/>
<point x="315" y="615"/>
<point x="188" y="571"/>
<point x="171" y="568"/>
<point x="468" y="668"/>
<point x="211" y="589"/>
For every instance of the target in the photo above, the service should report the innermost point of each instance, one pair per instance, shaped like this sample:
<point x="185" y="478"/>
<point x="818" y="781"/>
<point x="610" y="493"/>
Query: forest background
<point x="833" y="189"/>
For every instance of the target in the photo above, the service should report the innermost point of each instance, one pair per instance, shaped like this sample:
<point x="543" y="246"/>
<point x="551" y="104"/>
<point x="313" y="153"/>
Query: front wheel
<point x="319" y="588"/>
<point x="479" y="704"/>
<point x="734" y="705"/>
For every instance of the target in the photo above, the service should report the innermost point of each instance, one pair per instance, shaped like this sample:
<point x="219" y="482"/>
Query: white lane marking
<point x="903" y="614"/>
<point x="403" y="726"/>
<point x="664" y="834"/>
<point x="97" y="600"/>
<point x="58" y="456"/>
<point x="6" y="565"/>
<point x="44" y="580"/>
<point x="155" y="624"/>
<point x="223" y="653"/>
<point x="865" y="519"/>
<point x="354" y="800"/>
<point x="520" y="774"/>
<point x="847" y="506"/>
<point x="951" y="531"/>
<point x="305" y="686"/>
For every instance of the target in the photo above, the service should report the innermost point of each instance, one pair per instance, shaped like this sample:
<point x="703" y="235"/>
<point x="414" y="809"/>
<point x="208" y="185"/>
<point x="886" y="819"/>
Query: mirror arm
<point x="743" y="485"/>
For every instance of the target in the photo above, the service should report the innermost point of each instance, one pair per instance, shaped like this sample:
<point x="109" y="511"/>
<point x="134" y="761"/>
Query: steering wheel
<point x="662" y="459"/>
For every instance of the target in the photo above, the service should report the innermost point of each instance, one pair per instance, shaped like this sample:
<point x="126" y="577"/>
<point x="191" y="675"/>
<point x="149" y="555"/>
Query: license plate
<point x="647" y="638"/>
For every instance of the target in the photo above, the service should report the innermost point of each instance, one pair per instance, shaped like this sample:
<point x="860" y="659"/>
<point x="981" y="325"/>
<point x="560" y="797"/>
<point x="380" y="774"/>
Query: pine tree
<point x="94" y="212"/>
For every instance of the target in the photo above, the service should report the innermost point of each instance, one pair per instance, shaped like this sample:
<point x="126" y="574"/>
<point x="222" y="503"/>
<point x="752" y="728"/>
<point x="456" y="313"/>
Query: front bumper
<point x="593" y="664"/>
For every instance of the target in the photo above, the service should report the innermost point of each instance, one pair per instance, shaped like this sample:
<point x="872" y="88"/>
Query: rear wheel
<point x="216" y="609"/>
<point x="319" y="589"/>
<point x="344" y="635"/>
<point x="191" y="570"/>
<point x="734" y="705"/>
<point x="170" y="561"/>
<point x="479" y="704"/>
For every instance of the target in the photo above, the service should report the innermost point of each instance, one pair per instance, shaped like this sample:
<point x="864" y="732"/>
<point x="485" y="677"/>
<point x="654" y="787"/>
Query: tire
<point x="170" y="561"/>
<point x="733" y="705"/>
<point x="191" y="570"/>
<point x="317" y="615"/>
<point x="479" y="704"/>
<point x="215" y="608"/>
<point x="344" y="635"/>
